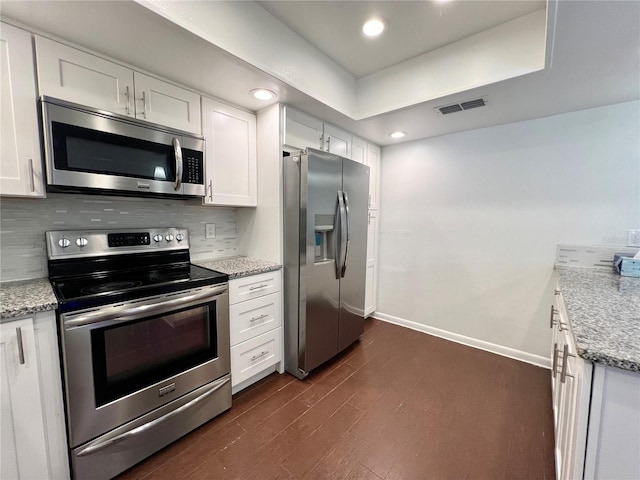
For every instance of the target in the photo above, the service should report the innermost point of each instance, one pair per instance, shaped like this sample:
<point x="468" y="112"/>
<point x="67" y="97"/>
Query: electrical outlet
<point x="633" y="237"/>
<point x="210" y="230"/>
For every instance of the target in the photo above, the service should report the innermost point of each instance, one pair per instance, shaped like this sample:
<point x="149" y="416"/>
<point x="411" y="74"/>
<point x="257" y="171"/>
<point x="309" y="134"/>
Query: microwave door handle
<point x="178" y="154"/>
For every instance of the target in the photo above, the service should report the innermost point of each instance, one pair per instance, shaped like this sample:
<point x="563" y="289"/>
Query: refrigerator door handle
<point x="348" y="236"/>
<point x="341" y="238"/>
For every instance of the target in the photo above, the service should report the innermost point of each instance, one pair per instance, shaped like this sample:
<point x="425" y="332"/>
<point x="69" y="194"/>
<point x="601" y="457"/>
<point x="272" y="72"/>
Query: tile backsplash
<point x="23" y="223"/>
<point x="591" y="256"/>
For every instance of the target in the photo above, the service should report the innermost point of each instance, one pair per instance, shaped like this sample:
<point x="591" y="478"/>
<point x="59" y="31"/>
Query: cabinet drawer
<point x="255" y="286"/>
<point x="254" y="317"/>
<point x="251" y="357"/>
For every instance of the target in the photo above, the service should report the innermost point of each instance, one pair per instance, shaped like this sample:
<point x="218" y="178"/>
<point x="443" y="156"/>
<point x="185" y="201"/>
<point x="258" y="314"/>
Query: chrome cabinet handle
<point x="178" y="154"/>
<point x="20" y="345"/>
<point x="256" y="357"/>
<point x="555" y="359"/>
<point x="32" y="185"/>
<point x="259" y="317"/>
<point x="321" y="146"/>
<point x="328" y="143"/>
<point x="211" y="190"/>
<point x="565" y="360"/>
<point x="128" y="104"/>
<point x="103" y="443"/>
<point x="144" y="104"/>
<point x="556" y="292"/>
<point x="259" y="286"/>
<point x="552" y="317"/>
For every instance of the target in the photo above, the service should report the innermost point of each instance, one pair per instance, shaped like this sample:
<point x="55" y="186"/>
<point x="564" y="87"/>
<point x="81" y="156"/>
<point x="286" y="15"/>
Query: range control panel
<point x="89" y="243"/>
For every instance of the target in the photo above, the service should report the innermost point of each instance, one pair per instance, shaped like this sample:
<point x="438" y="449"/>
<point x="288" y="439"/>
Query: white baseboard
<point x="470" y="342"/>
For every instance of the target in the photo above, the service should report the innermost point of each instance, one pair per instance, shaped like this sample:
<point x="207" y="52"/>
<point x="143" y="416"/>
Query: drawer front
<point x="255" y="317"/>
<point x="255" y="286"/>
<point x="255" y="355"/>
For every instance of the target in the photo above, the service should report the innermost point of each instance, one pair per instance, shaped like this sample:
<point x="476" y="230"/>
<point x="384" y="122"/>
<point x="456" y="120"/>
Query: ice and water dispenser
<point x="324" y="238"/>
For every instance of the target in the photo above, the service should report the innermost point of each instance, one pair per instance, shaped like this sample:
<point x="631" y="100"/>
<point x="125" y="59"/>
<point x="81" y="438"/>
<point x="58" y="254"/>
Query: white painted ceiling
<point x="413" y="27"/>
<point x="593" y="60"/>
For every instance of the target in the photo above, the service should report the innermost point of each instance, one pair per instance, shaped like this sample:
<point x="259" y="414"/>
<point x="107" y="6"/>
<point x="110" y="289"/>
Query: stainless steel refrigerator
<point x="325" y="246"/>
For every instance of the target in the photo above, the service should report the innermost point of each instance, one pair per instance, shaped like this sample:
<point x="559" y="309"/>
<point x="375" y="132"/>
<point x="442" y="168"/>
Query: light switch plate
<point x="633" y="237"/>
<point x="210" y="230"/>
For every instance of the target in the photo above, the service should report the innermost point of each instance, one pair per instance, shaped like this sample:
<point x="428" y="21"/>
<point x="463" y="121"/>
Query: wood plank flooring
<point x="398" y="405"/>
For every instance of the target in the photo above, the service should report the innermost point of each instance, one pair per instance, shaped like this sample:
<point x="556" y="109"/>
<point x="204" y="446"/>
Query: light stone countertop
<point x="604" y="312"/>
<point x="26" y="297"/>
<point x="237" y="267"/>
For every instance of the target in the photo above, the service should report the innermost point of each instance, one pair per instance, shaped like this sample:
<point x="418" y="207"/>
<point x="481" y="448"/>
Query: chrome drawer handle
<point x="551" y="317"/>
<point x="259" y="286"/>
<point x="20" y="345"/>
<point x="565" y="360"/>
<point x="259" y="317"/>
<point x="256" y="357"/>
<point x="555" y="359"/>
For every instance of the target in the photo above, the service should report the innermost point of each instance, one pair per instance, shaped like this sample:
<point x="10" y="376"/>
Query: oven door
<point x="126" y="360"/>
<point x="96" y="150"/>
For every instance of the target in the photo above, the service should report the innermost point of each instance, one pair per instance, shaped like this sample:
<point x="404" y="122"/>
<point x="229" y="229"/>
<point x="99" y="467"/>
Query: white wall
<point x="469" y="222"/>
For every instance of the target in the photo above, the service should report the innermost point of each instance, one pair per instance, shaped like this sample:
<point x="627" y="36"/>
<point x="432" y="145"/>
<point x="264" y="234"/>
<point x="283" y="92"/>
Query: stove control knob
<point x="169" y="237"/>
<point x="82" y="242"/>
<point x="179" y="237"/>
<point x="64" y="242"/>
<point x="157" y="238"/>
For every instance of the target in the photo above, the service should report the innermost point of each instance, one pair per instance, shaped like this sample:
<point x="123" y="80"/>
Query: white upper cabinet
<point x="76" y="76"/>
<point x="302" y="131"/>
<point x="165" y="104"/>
<point x="230" y="156"/>
<point x="359" y="150"/>
<point x="79" y="77"/>
<point x="20" y="164"/>
<point x="373" y="161"/>
<point x="337" y="141"/>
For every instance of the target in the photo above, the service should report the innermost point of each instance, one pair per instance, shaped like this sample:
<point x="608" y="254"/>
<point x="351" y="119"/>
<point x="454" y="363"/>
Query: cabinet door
<point x="359" y="150"/>
<point x="301" y="131"/>
<point x="165" y="104"/>
<point x="231" y="157"/>
<point x="371" y="287"/>
<point x="21" y="164"/>
<point x="79" y="77"/>
<point x="373" y="162"/>
<point x="337" y="141"/>
<point x="24" y="451"/>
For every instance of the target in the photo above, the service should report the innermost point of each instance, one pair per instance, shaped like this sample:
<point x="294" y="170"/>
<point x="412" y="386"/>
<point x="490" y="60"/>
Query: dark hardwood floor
<point x="398" y="404"/>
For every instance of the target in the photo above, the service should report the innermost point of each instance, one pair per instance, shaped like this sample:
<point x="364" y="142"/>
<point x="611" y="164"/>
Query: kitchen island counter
<point x="237" y="267"/>
<point x="26" y="297"/>
<point x="604" y="311"/>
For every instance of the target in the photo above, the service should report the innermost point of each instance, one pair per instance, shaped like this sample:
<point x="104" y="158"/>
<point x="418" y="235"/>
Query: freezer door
<point x="319" y="285"/>
<point x="355" y="185"/>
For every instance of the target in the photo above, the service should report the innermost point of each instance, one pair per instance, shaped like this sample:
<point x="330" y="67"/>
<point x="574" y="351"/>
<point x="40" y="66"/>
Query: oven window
<point x="79" y="149"/>
<point x="132" y="356"/>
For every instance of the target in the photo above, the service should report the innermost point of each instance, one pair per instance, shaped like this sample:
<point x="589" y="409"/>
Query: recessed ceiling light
<point x="263" y="94"/>
<point x="398" y="134"/>
<point x="374" y="27"/>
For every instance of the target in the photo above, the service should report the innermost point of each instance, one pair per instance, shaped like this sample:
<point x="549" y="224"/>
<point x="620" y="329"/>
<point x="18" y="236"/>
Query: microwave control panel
<point x="193" y="168"/>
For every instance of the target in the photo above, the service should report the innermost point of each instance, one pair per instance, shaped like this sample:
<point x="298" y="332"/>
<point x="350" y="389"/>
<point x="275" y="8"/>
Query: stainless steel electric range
<point x="144" y="337"/>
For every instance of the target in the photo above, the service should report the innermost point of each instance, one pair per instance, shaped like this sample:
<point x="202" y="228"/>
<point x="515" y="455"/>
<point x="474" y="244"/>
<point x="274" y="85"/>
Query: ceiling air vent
<point x="459" y="107"/>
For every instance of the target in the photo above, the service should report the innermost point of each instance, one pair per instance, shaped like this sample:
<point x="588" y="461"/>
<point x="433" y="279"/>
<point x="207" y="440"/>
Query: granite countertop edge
<point x="26" y="297"/>
<point x="603" y="314"/>
<point x="238" y="267"/>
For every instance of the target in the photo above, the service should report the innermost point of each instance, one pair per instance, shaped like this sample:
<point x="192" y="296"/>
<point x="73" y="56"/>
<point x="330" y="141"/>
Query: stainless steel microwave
<point x="97" y="151"/>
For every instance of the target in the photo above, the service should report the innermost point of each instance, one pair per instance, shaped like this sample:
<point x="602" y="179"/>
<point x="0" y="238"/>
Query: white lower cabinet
<point x="255" y="317"/>
<point x="371" y="284"/>
<point x="596" y="410"/>
<point x="34" y="443"/>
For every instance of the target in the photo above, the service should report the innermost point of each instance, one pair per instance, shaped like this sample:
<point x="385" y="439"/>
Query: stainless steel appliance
<point x="145" y="343"/>
<point x="325" y="244"/>
<point x="97" y="151"/>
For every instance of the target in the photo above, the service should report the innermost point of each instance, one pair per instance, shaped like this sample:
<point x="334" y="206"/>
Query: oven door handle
<point x="125" y="312"/>
<point x="105" y="442"/>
